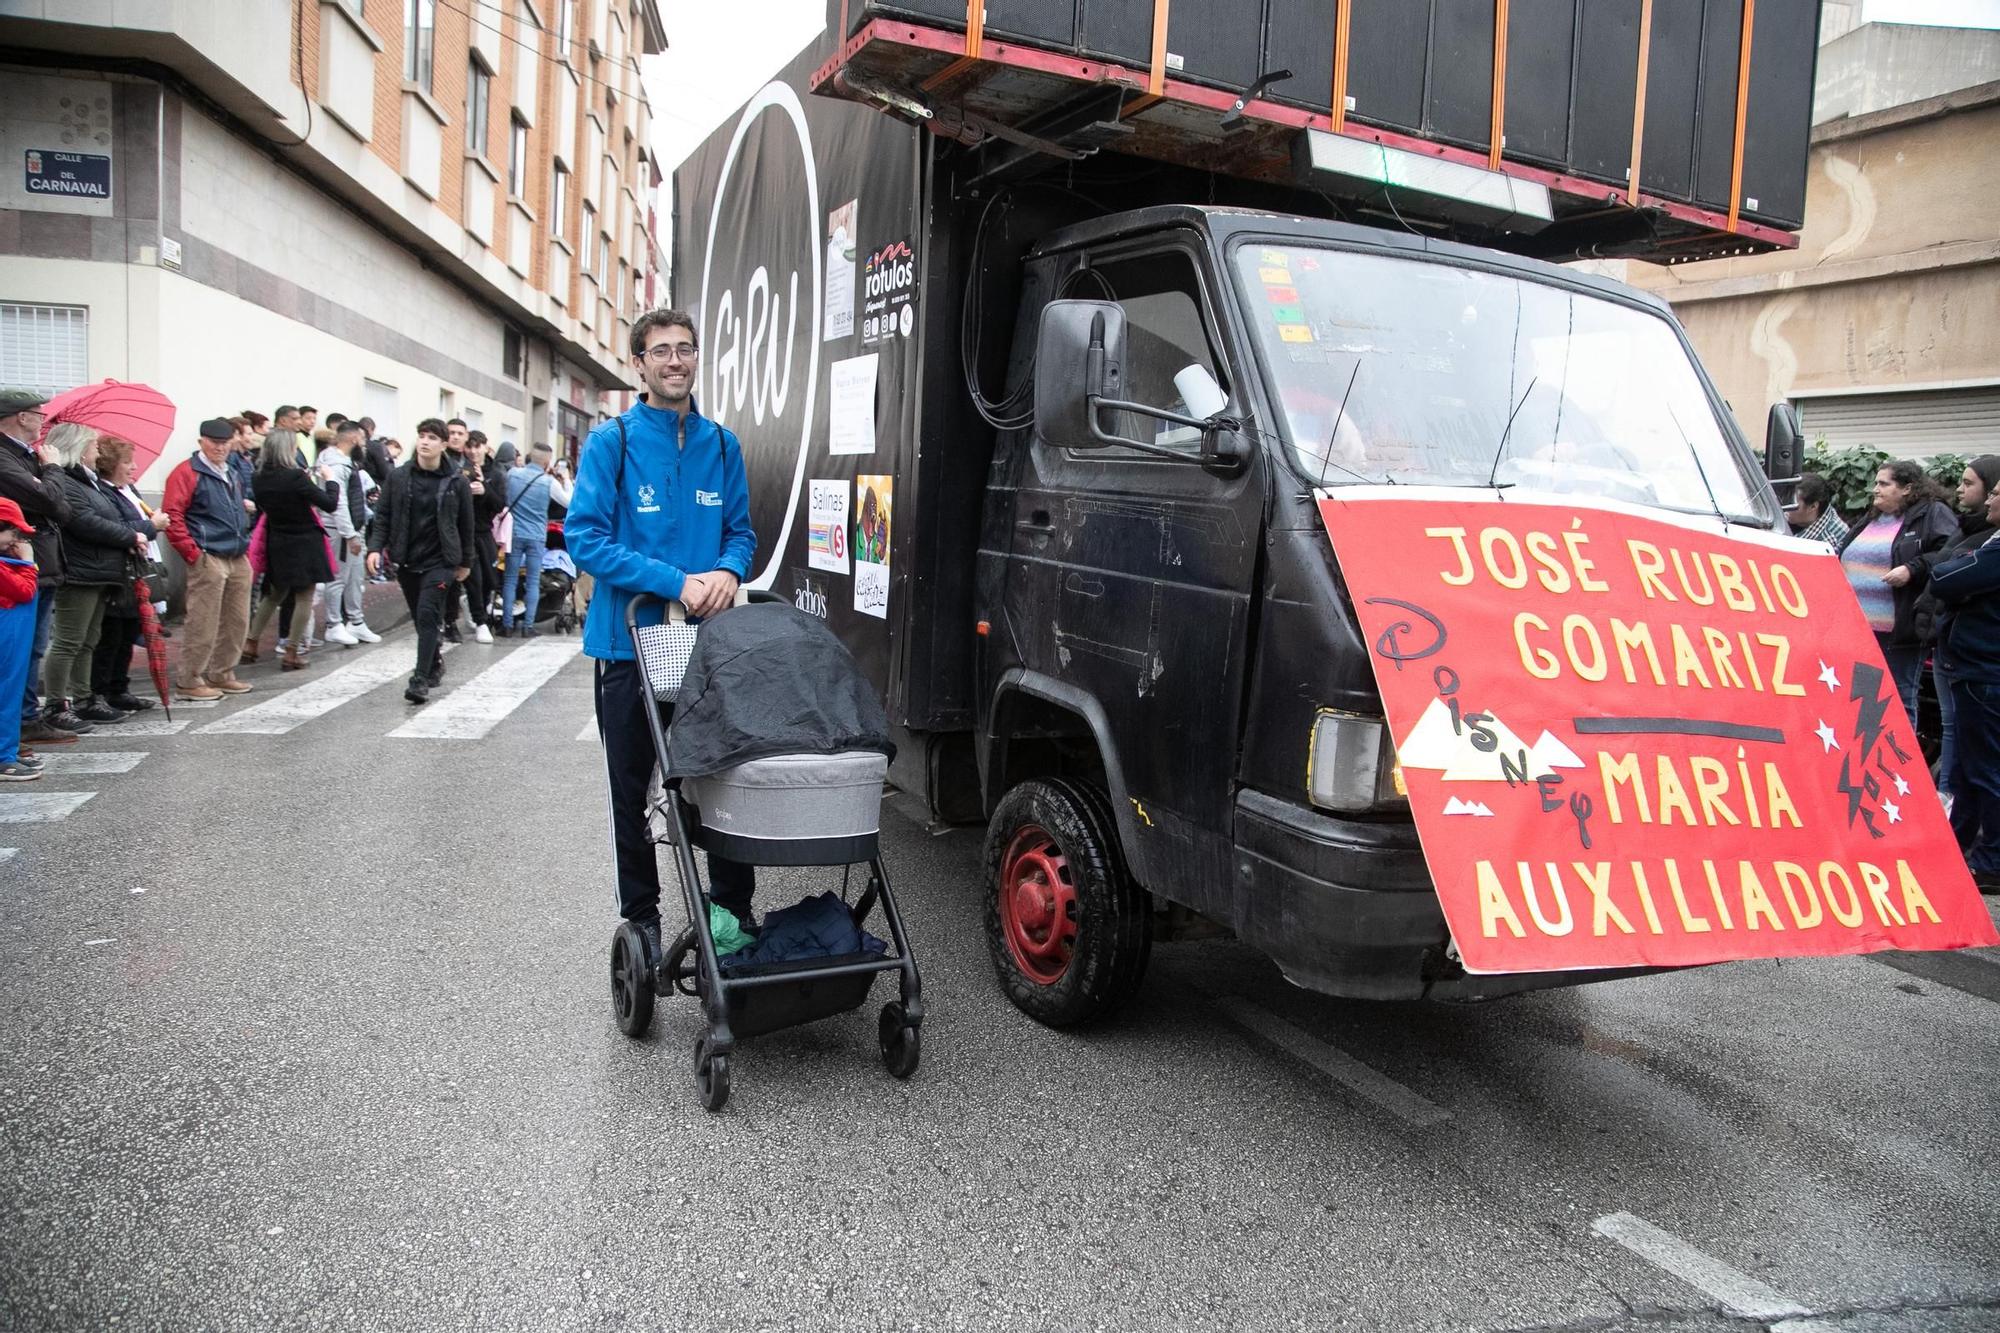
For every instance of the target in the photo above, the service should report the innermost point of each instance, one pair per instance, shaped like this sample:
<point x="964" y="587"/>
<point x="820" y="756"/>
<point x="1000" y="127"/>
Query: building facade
<point x="390" y="208"/>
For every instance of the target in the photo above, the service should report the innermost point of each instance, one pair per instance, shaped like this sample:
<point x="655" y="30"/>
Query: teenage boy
<point x="662" y="506"/>
<point x="425" y="523"/>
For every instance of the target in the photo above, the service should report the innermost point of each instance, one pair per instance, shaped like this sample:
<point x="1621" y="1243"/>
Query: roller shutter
<point x="1914" y="424"/>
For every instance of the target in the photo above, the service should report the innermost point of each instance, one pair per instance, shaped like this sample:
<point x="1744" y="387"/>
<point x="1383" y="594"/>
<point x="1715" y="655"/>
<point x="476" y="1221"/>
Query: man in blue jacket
<point x="1968" y="590"/>
<point x="662" y="506"/>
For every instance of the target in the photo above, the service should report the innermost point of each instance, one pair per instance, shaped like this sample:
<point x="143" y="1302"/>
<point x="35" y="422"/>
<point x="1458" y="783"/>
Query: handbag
<point x="664" y="650"/>
<point x="257" y="546"/>
<point x="503" y="526"/>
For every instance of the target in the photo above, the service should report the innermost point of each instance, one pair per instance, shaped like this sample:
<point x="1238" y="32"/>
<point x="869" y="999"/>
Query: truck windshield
<point x="1415" y="372"/>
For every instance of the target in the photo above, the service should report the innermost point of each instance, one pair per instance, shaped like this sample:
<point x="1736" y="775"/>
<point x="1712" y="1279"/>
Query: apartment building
<point x="392" y="208"/>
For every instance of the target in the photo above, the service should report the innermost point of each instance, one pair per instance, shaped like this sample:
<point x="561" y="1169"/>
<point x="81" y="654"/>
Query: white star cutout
<point x="1889" y="809"/>
<point x="1831" y="681"/>
<point x="1825" y="734"/>
<point x="1902" y="787"/>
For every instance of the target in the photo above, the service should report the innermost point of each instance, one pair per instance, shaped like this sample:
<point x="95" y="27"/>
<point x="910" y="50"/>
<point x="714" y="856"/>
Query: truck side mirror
<point x="1079" y="356"/>
<point x="1784" y="444"/>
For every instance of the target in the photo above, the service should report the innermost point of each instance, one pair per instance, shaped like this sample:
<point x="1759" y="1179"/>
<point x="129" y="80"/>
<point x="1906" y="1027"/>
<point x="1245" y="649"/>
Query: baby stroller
<point x="775" y="808"/>
<point x="557" y="601"/>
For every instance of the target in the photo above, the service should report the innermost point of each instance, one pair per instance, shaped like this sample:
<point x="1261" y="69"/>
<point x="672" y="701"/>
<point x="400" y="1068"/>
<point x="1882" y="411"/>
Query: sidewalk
<point x="382" y="604"/>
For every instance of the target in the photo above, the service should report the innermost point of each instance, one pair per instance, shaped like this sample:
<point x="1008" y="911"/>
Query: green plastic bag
<point x="728" y="931"/>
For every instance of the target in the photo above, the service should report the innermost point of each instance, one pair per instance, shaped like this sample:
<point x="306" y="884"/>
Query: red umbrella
<point x="134" y="412"/>
<point x="156" y="645"/>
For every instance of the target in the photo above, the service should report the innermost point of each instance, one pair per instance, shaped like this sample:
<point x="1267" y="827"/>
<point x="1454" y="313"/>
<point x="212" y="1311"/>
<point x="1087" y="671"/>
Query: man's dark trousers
<point x="628" y="758"/>
<point x="424" y="591"/>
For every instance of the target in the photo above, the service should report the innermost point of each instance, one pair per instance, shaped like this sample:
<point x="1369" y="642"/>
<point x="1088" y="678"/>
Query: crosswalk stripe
<point x="91" y="763"/>
<point x="9" y="853"/>
<point x="135" y="726"/>
<point x="40" y="807"/>
<point x="471" y="710"/>
<point x="589" y="732"/>
<point x="301" y="704"/>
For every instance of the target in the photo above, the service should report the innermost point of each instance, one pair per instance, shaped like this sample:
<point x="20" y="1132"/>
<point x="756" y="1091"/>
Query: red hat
<point x="11" y="515"/>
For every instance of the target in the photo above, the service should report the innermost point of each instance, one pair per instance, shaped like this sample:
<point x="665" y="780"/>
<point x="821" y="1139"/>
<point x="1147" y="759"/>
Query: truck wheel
<point x="1069" y="931"/>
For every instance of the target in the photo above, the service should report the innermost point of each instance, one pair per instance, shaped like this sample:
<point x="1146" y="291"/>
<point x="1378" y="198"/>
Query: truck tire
<point x="1069" y="931"/>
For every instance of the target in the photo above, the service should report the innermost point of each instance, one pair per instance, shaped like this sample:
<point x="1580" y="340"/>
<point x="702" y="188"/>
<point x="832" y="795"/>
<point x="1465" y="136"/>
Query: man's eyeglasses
<point x="661" y="353"/>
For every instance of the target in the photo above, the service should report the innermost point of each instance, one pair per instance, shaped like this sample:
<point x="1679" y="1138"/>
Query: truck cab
<point x="1176" y="714"/>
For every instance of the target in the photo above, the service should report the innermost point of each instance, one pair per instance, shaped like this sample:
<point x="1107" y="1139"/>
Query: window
<point x="603" y="253"/>
<point x="624" y="287"/>
<point x="559" y="201"/>
<point x="513" y="353"/>
<point x="1164" y="332"/>
<point x="478" y="89"/>
<point x="517" y="155"/>
<point x="565" y="27"/>
<point x="590" y="269"/>
<point x="419" y="35"/>
<point x="44" y="347"/>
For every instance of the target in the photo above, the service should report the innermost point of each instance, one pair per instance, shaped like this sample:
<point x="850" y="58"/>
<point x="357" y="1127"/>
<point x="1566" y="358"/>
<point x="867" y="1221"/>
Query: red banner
<point x="1632" y="741"/>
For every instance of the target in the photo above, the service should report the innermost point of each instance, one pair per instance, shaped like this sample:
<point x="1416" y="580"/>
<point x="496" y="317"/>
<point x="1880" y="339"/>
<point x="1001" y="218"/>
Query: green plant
<point x="1946" y="469"/>
<point x="1851" y="473"/>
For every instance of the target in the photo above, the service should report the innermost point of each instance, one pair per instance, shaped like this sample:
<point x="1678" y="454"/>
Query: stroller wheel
<point x="631" y="981"/>
<point x="901" y="1043"/>
<point x="711" y="1076"/>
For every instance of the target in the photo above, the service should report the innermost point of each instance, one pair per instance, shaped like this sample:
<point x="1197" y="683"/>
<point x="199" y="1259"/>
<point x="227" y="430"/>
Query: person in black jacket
<point x="1968" y="592"/>
<point x="295" y="545"/>
<point x="1978" y="482"/>
<point x="111" y="666"/>
<point x="425" y="524"/>
<point x="24" y="479"/>
<point x="488" y="483"/>
<point x="1883" y="559"/>
<point x="99" y="550"/>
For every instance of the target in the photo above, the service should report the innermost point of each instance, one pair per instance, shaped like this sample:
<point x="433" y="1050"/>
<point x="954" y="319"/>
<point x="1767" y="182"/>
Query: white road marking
<point x="40" y="807"/>
<point x="150" y="726"/>
<point x="317" y="697"/>
<point x="199" y="703"/>
<point x="9" y="853"/>
<point x="1737" y="1292"/>
<point x="474" y="708"/>
<point x="1337" y="1064"/>
<point x="91" y="762"/>
<point x="589" y="732"/>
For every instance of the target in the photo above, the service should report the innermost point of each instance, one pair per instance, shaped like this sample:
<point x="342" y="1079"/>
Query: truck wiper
<point x="1493" y="473"/>
<point x="1326" y="458"/>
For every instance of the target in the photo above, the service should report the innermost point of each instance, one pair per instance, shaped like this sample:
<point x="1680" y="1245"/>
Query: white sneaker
<point x="339" y="633"/>
<point x="483" y="634"/>
<point x="363" y="634"/>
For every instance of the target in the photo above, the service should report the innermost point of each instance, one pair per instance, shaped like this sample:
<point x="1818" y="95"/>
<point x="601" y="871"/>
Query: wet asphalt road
<point x="347" y="1062"/>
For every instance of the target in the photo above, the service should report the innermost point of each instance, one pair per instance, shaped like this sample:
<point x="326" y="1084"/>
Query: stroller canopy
<point x="769" y="679"/>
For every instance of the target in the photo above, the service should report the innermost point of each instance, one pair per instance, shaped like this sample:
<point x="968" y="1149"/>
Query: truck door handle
<point x="1038" y="519"/>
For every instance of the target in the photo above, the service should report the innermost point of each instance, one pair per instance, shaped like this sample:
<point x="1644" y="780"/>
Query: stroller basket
<point x="793" y="809"/>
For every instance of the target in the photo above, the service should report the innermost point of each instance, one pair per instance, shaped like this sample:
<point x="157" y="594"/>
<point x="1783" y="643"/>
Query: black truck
<point x="1040" y="358"/>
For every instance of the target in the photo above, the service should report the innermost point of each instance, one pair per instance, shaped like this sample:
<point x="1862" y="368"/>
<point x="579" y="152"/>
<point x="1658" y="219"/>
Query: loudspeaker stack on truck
<point x="1178" y="408"/>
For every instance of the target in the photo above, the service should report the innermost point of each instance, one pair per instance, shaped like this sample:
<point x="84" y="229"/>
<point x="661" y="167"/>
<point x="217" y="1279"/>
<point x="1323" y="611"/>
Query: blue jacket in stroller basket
<point x="778" y="751"/>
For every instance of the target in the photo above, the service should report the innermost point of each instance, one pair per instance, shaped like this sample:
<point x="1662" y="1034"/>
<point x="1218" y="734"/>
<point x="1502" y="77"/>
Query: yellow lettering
<point x="1563" y="924"/>
<point x="1785" y="585"/>
<point x="1575" y="542"/>
<point x="1780" y="799"/>
<point x="1625" y="769"/>
<point x="1794" y="881"/>
<point x="1491" y="539"/>
<point x="1591" y="667"/>
<point x="1648" y="564"/>
<point x="1781" y="645"/>
<point x="1829" y="871"/>
<point x="1711" y="784"/>
<point x="1707" y="595"/>
<point x="1729" y="582"/>
<point x="1914" y="901"/>
<point x="1602" y="909"/>
<point x="1494" y="909"/>
<point x="1756" y="902"/>
<point x="1878" y="893"/>
<point x="1692" y="924"/>
<point x="1673" y="796"/>
<point x="1724" y="657"/>
<point x="1456" y="536"/>
<point x="1542" y="547"/>
<point x="1537" y="662"/>
<point x="1646" y="899"/>
<point x="1687" y="662"/>
<point x="1625" y="638"/>
<point x="1715" y="892"/>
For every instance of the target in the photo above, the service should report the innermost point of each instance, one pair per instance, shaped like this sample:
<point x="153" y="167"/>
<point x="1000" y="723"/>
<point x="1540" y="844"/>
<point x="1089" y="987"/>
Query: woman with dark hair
<point x="295" y="555"/>
<point x="1883" y="557"/>
<point x="111" y="664"/>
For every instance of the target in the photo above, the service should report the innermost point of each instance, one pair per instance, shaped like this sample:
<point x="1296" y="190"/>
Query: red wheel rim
<point x="1038" y="908"/>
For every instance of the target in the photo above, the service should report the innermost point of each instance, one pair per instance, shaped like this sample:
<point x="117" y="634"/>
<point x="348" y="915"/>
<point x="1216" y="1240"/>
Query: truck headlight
<point x="1351" y="764"/>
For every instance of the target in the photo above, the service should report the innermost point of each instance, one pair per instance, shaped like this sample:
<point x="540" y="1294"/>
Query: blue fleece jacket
<point x="1968" y="588"/>
<point x="676" y="507"/>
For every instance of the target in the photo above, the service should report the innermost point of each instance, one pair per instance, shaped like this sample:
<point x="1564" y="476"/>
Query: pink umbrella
<point x="137" y="413"/>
